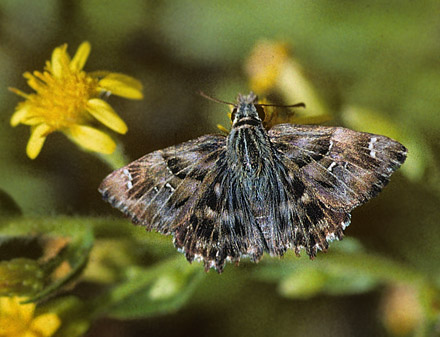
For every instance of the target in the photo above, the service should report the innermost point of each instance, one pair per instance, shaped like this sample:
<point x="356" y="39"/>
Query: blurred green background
<point x="381" y="56"/>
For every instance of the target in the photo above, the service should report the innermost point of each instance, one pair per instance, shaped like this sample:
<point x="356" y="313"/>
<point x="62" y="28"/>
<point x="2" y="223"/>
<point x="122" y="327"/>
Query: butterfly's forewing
<point x="341" y="167"/>
<point x="156" y="189"/>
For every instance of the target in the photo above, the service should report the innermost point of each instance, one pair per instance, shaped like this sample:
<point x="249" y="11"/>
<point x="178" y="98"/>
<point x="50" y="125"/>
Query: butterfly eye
<point x="260" y="111"/>
<point x="233" y="114"/>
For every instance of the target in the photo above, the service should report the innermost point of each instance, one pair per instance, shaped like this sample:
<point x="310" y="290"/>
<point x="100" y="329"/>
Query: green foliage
<point x="75" y="254"/>
<point x="7" y="205"/>
<point x="74" y="314"/>
<point x="146" y="292"/>
<point x="346" y="269"/>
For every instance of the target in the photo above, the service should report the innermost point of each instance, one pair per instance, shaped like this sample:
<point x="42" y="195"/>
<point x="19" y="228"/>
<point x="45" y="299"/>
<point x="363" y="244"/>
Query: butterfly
<point x="223" y="198"/>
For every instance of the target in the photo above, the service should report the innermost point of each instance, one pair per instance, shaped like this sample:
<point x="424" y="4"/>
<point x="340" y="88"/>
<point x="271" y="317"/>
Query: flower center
<point x="61" y="102"/>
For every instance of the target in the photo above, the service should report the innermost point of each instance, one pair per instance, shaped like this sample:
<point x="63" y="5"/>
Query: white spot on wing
<point x="330" y="146"/>
<point x="330" y="237"/>
<point x="305" y="198"/>
<point x="345" y="224"/>
<point x="168" y="185"/>
<point x="371" y="147"/>
<point x="129" y="178"/>
<point x="333" y="164"/>
<point x="217" y="190"/>
<point x="317" y="247"/>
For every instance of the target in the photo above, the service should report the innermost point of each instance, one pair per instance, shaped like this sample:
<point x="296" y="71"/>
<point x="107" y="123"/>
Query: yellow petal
<point x="33" y="81"/>
<point x="10" y="306"/>
<point x="35" y="143"/>
<point x="60" y="60"/>
<point x="80" y="57"/>
<point x="20" y="114"/>
<point x="18" y="92"/>
<point x="99" y="73"/>
<point x="45" y="325"/>
<point x="92" y="139"/>
<point x="122" y="85"/>
<point x="222" y="129"/>
<point x="10" y="328"/>
<point x="264" y="64"/>
<point x="29" y="334"/>
<point x="104" y="113"/>
<point x="33" y="120"/>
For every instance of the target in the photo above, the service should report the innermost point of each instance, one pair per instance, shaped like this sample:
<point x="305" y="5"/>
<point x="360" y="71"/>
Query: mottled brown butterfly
<point x="253" y="191"/>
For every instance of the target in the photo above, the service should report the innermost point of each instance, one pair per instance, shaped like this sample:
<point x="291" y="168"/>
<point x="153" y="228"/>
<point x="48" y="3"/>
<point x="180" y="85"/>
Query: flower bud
<point x="20" y="277"/>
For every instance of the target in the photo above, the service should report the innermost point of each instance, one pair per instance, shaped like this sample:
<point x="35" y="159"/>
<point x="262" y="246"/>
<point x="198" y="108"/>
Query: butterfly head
<point x="247" y="109"/>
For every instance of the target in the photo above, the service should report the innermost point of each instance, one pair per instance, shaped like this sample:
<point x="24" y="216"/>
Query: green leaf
<point x="76" y="252"/>
<point x="302" y="283"/>
<point x="344" y="270"/>
<point x="8" y="206"/>
<point x="146" y="292"/>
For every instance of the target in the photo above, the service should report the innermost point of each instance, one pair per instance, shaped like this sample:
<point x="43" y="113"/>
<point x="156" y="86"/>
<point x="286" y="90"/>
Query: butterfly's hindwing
<point x="313" y="223"/>
<point x="219" y="225"/>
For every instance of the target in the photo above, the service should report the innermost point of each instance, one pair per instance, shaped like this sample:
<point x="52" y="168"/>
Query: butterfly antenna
<point x="297" y="105"/>
<point x="201" y="93"/>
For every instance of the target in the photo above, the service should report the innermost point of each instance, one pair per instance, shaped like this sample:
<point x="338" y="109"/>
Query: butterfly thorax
<point x="248" y="147"/>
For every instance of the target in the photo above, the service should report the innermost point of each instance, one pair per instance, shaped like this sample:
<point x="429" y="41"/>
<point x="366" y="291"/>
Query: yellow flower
<point x="18" y="320"/>
<point x="271" y="68"/>
<point x="265" y="64"/>
<point x="402" y="310"/>
<point x="67" y="100"/>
